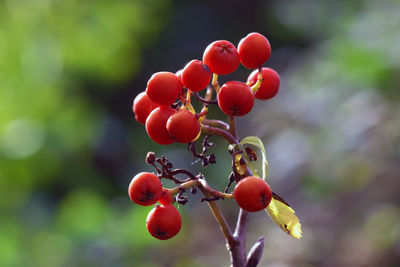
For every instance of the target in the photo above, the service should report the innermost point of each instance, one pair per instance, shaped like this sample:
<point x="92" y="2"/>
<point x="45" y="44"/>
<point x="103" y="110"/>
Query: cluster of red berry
<point x="165" y="109"/>
<point x="164" y="221"/>
<point x="167" y="121"/>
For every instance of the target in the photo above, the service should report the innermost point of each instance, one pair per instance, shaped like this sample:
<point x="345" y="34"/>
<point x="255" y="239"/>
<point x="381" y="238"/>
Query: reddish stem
<point x="216" y="123"/>
<point x="208" y="130"/>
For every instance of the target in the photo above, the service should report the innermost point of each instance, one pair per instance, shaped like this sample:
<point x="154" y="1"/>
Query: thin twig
<point x="220" y="132"/>
<point x="212" y="191"/>
<point x="226" y="231"/>
<point x="209" y="194"/>
<point x="241" y="224"/>
<point x="185" y="185"/>
<point x="203" y="112"/>
<point x="216" y="123"/>
<point x="180" y="198"/>
<point x="232" y="125"/>
<point x="238" y="251"/>
<point x="183" y="171"/>
<point x="206" y="160"/>
<point x="209" y="93"/>
<point x="203" y="100"/>
<point x="231" y="180"/>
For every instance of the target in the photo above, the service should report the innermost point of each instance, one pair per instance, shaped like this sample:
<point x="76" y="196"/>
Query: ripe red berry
<point x="163" y="88"/>
<point x="156" y="125"/>
<point x="166" y="197"/>
<point x="252" y="194"/>
<point x="221" y="57"/>
<point x="179" y="74"/>
<point x="145" y="189"/>
<point x="254" y="50"/>
<point x="269" y="86"/>
<point x="196" y="76"/>
<point x="142" y="106"/>
<point x="164" y="222"/>
<point x="235" y="98"/>
<point x="183" y="126"/>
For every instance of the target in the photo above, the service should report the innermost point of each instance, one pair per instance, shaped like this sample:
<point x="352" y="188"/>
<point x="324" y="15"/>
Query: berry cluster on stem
<point x="169" y="116"/>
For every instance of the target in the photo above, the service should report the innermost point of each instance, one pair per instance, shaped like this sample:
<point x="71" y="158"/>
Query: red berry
<point x="235" y="98"/>
<point x="252" y="194"/>
<point x="163" y="88"/>
<point x="164" y="222"/>
<point x="221" y="57"/>
<point x="156" y="125"/>
<point x="196" y="76"/>
<point x="269" y="86"/>
<point x="142" y="106"/>
<point x="183" y="126"/>
<point x="145" y="189"/>
<point x="179" y="74"/>
<point x="254" y="50"/>
<point x="166" y="197"/>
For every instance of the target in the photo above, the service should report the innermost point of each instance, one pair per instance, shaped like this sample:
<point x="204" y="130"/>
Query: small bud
<point x="150" y="158"/>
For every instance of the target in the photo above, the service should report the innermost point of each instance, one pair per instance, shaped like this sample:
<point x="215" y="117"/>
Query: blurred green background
<point x="69" y="144"/>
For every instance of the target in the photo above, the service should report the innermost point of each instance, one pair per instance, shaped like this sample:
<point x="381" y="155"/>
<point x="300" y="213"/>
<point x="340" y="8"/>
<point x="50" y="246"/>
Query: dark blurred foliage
<point x="69" y="144"/>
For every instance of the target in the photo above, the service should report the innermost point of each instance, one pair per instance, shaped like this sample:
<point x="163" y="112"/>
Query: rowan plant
<point x="166" y="110"/>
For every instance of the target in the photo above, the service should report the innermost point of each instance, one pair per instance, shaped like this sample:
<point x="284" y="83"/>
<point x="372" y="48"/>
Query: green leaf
<point x="255" y="141"/>
<point x="284" y="216"/>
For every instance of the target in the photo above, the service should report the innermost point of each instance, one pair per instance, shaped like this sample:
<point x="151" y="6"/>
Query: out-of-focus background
<point x="69" y="144"/>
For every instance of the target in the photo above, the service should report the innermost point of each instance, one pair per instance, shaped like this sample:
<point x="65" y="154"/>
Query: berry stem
<point x="216" y="123"/>
<point x="215" y="83"/>
<point x="232" y="125"/>
<point x="219" y="217"/>
<point x="190" y="107"/>
<point x="203" y="113"/>
<point x="205" y="100"/>
<point x="170" y="176"/>
<point x="183" y="171"/>
<point x="209" y="93"/>
<point x="188" y="94"/>
<point x="185" y="185"/>
<point x="210" y="193"/>
<point x="209" y="130"/>
<point x="260" y="79"/>
<point x="202" y="184"/>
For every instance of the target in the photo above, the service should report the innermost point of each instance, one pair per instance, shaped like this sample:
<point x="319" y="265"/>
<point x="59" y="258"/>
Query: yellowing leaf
<point x="283" y="215"/>
<point x="255" y="141"/>
<point x="240" y="168"/>
<point x="239" y="159"/>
